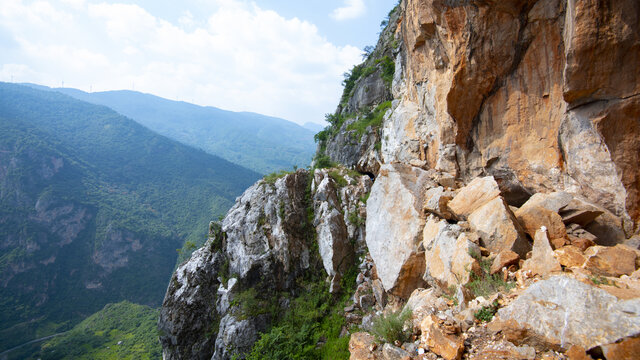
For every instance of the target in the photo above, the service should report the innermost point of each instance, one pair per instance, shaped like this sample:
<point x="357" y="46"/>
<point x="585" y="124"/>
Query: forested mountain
<point x="92" y="209"/>
<point x="261" y="143"/>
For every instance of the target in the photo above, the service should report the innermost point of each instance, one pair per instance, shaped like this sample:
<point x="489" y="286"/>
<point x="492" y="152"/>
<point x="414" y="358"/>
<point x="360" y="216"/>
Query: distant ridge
<point x="262" y="143"/>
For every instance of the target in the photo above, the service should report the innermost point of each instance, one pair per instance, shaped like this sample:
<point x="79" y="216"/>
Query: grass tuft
<point x="390" y="328"/>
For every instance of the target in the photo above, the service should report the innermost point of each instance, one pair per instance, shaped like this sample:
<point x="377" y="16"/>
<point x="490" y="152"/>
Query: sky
<point x="282" y="58"/>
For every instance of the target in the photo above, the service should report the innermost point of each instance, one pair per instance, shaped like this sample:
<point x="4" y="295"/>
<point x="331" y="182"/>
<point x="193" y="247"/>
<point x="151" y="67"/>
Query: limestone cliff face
<point x="543" y="95"/>
<point x="497" y="133"/>
<point x="263" y="245"/>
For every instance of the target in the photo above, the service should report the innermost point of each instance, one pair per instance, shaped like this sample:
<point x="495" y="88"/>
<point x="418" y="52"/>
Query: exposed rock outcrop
<point x="256" y="254"/>
<point x="509" y="150"/>
<point x="395" y="223"/>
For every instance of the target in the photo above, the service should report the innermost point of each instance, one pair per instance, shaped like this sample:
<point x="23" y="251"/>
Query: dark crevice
<point x="595" y="101"/>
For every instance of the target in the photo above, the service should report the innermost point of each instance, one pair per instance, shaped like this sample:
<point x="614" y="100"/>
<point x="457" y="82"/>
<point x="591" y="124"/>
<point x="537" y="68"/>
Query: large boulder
<point x="335" y="248"/>
<point x="561" y="311"/>
<point x="339" y="214"/>
<point x="394" y="226"/>
<point x="543" y="261"/>
<point x="447" y="254"/>
<point x="473" y="196"/>
<point x="498" y="228"/>
<point x="610" y="261"/>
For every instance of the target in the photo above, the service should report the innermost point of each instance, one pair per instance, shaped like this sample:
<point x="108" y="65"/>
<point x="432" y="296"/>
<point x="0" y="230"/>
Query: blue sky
<point x="275" y="57"/>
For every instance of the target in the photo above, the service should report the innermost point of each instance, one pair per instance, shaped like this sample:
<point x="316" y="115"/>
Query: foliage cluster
<point x="314" y="317"/>
<point x="391" y="327"/>
<point x="370" y="118"/>
<point x="486" y="313"/>
<point x="271" y="178"/>
<point x="97" y="337"/>
<point x="486" y="284"/>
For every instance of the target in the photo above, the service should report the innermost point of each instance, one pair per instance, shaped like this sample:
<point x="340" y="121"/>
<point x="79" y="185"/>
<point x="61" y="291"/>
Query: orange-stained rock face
<point x="602" y="40"/>
<point x="543" y="95"/>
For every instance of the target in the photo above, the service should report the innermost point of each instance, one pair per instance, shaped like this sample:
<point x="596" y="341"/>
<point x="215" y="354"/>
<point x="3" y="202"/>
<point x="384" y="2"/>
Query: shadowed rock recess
<point x="480" y="176"/>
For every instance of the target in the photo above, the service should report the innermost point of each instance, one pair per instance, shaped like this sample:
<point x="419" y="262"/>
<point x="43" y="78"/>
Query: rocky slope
<point x="503" y="219"/>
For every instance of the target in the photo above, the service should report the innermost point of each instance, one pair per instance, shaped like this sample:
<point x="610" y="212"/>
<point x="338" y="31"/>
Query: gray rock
<point x="369" y="91"/>
<point x="447" y="250"/>
<point x="391" y="352"/>
<point x="189" y="308"/>
<point x="562" y="311"/>
<point x="394" y="226"/>
<point x="333" y="242"/>
<point x="236" y="337"/>
<point x="262" y="243"/>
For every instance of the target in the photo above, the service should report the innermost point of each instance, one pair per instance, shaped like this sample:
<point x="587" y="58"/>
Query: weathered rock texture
<point x="260" y="249"/>
<point x="562" y="311"/>
<point x="543" y="95"/>
<point x="395" y="223"/>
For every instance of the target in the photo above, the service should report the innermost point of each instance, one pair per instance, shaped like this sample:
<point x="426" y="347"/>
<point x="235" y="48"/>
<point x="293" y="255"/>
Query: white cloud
<point x="242" y="58"/>
<point x="352" y="9"/>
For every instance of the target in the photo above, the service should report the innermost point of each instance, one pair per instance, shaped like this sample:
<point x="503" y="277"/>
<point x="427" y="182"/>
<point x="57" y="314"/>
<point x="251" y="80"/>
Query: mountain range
<point x="92" y="209"/>
<point x="261" y="143"/>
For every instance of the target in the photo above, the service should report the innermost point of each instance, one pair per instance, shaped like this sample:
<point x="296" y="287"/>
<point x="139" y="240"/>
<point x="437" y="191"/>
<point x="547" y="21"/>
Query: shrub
<point x="486" y="284"/>
<point x="373" y="119"/>
<point x="338" y="178"/>
<point x="355" y="219"/>
<point x="271" y="178"/>
<point x="323" y="161"/>
<point x="486" y="313"/>
<point x="390" y="328"/>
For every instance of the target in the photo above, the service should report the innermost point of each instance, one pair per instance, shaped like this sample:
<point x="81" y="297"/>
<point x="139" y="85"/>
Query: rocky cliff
<point x="502" y="222"/>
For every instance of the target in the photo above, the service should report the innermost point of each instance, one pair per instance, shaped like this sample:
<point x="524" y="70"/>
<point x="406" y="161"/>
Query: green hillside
<point x="261" y="143"/>
<point x="122" y="331"/>
<point x="92" y="209"/>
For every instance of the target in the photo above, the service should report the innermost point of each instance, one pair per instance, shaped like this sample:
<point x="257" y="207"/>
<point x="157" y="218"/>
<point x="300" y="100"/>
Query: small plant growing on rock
<point x="390" y="327"/>
<point x="485" y="284"/>
<point x="486" y="313"/>
<point x="355" y="219"/>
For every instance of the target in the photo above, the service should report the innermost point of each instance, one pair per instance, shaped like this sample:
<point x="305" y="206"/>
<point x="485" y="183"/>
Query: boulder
<point x="394" y="227"/>
<point x="362" y="346"/>
<point x="498" y="228"/>
<point x="561" y="312"/>
<point x="421" y="303"/>
<point x="542" y="261"/>
<point x="390" y="352"/>
<point x="436" y="202"/>
<point x="610" y="261"/>
<point x="336" y="250"/>
<point x="447" y="250"/>
<point x="577" y="353"/>
<point x="570" y="256"/>
<point x="505" y="350"/>
<point x="473" y="196"/>
<point x="505" y="258"/>
<point x="551" y="201"/>
<point x="532" y="217"/>
<point x="627" y="349"/>
<point x="448" y="346"/>
<point x="237" y="336"/>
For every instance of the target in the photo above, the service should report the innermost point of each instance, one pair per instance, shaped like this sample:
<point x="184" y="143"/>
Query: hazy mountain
<point x="261" y="143"/>
<point x="313" y="127"/>
<point x="92" y="209"/>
